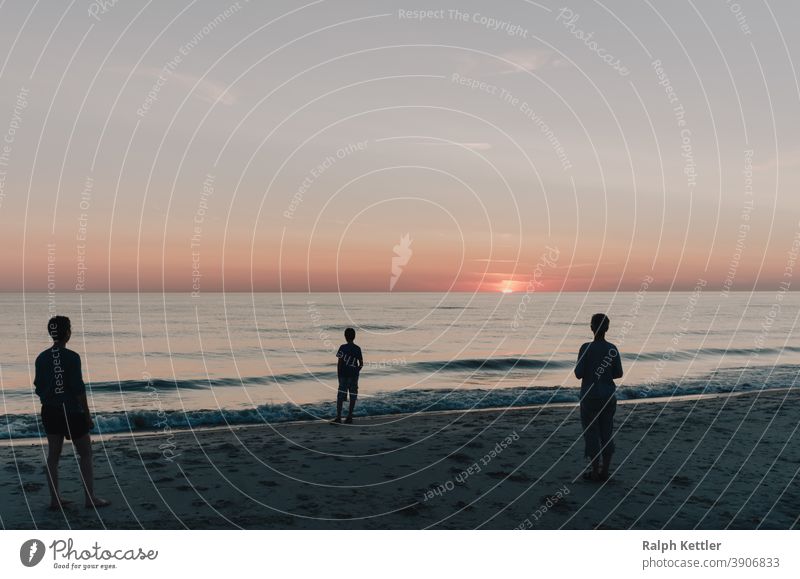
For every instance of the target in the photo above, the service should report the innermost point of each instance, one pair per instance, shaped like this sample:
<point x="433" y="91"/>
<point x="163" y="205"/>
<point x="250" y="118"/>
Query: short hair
<point x="59" y="327"/>
<point x="600" y="323"/>
<point x="349" y="334"/>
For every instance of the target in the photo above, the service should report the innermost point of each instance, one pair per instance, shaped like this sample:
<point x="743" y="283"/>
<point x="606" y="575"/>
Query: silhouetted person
<point x="347" y="369"/>
<point x="598" y="365"/>
<point x="65" y="411"/>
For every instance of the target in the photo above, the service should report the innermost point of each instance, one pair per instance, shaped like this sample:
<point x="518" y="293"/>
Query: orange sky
<point x="304" y="168"/>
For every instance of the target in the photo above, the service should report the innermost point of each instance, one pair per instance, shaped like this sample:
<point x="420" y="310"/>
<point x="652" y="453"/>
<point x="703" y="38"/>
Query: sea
<point x="156" y="360"/>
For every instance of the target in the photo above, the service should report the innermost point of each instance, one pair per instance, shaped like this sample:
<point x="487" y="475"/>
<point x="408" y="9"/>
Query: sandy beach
<point x="701" y="462"/>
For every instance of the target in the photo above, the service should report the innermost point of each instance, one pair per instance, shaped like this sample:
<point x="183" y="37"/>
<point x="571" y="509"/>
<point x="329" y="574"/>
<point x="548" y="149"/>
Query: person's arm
<point x="580" y="366"/>
<point x="37" y="381"/>
<point x="80" y="391"/>
<point x="360" y="359"/>
<point x="85" y="404"/>
<point x="339" y="364"/>
<point x="617" y="365"/>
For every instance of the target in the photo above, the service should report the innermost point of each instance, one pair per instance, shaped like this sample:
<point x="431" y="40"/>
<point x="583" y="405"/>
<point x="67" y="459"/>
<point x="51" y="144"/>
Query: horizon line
<point x="189" y="292"/>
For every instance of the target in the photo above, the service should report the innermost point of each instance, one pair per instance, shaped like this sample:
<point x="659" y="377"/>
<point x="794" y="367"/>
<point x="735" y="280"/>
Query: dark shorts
<point x="68" y="423"/>
<point x="597" y="419"/>
<point x="348" y="385"/>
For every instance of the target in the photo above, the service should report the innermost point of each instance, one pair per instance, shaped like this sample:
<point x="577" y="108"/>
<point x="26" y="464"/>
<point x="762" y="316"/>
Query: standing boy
<point x="347" y="369"/>
<point x="65" y="411"/>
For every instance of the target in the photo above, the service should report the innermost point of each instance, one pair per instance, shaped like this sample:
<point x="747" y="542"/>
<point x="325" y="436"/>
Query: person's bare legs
<point x="339" y="404"/>
<point x="55" y="443"/>
<point x="349" y="419"/>
<point x="84" y="447"/>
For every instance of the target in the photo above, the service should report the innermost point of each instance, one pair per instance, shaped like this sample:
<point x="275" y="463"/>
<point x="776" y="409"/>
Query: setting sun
<point x="507" y="286"/>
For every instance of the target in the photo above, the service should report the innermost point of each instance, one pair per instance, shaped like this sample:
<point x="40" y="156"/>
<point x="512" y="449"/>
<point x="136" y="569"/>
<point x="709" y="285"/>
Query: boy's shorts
<point x="67" y="423"/>
<point x="348" y="385"/>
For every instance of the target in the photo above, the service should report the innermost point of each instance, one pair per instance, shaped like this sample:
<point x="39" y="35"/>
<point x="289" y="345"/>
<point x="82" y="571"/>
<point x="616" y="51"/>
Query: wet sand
<point x="716" y="462"/>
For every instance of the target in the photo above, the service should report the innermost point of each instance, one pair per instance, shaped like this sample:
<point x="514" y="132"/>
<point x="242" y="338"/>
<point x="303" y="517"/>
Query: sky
<point x="391" y="146"/>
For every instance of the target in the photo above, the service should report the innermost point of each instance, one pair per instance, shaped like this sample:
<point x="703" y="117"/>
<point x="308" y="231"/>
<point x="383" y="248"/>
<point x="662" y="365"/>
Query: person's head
<point x="59" y="328"/>
<point x="599" y="325"/>
<point x="349" y="334"/>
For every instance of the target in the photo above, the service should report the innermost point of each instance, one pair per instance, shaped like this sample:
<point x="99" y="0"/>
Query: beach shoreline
<point x="695" y="461"/>
<point x="33" y="440"/>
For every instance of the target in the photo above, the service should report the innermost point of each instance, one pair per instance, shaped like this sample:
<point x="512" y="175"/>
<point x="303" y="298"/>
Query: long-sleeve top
<point x="59" y="379"/>
<point x="598" y="365"/>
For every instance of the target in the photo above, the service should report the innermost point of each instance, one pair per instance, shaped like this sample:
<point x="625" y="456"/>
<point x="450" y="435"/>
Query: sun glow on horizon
<point x="507" y="286"/>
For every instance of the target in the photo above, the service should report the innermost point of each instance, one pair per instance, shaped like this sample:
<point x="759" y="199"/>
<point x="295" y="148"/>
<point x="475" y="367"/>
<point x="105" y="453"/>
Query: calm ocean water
<point x="152" y="359"/>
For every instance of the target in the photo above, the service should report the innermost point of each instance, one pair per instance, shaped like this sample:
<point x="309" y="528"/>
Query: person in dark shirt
<point x="598" y="365"/>
<point x="347" y="369"/>
<point x="65" y="411"/>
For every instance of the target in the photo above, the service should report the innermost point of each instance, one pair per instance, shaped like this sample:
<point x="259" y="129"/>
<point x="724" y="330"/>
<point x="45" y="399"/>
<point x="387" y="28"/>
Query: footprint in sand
<point x="559" y="504"/>
<point x="701" y="500"/>
<point x="412" y="510"/>
<point x="680" y="481"/>
<point x="460" y="457"/>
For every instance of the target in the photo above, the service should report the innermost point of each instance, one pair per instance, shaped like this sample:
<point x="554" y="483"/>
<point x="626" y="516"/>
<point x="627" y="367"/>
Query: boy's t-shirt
<point x="598" y="362"/>
<point x="352" y="360"/>
<point x="59" y="379"/>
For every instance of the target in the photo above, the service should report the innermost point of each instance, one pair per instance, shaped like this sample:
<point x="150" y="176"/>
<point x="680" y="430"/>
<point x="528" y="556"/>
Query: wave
<point x="374" y="368"/>
<point x="717" y="352"/>
<point x="491" y="364"/>
<point x="327" y="373"/>
<point x="406" y="402"/>
<point x="474" y="366"/>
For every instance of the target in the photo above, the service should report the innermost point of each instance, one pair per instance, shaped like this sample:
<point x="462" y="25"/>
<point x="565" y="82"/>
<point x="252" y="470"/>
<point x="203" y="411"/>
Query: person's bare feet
<point x="97" y="503"/>
<point x="58" y="504"/>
